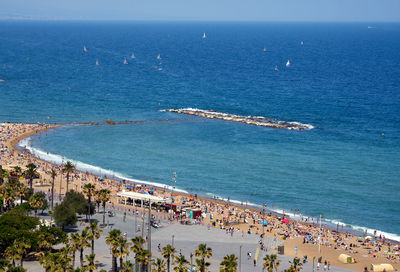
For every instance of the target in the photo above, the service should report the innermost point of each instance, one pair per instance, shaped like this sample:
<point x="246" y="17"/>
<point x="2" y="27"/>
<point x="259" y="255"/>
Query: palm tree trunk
<point x="67" y="183"/>
<point x="30" y="182"/>
<point x="81" y="257"/>
<point x="52" y="195"/>
<point x="89" y="208"/>
<point x="120" y="262"/>
<point x="114" y="264"/>
<point x="93" y="246"/>
<point x="73" y="259"/>
<point x="22" y="261"/>
<point x="104" y="213"/>
<point x="168" y="263"/>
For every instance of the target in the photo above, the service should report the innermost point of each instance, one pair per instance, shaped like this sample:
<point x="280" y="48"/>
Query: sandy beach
<point x="243" y="221"/>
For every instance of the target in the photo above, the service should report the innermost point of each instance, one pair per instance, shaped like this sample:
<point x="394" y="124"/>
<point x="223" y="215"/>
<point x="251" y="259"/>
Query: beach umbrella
<point x="265" y="223"/>
<point x="286" y="221"/>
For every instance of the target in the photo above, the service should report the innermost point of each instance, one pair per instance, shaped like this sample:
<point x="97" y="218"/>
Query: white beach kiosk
<point x="129" y="198"/>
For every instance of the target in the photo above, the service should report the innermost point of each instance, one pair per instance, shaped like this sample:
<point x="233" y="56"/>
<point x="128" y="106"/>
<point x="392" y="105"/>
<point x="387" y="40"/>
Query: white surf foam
<point x="388" y="235"/>
<point x="84" y="167"/>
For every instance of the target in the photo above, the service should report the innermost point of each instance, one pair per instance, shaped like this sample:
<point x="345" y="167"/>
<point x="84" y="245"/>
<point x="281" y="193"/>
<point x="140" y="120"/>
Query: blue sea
<point x="344" y="79"/>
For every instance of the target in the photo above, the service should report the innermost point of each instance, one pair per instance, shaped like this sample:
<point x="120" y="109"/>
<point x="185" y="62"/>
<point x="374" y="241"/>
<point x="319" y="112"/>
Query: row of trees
<point x="121" y="248"/>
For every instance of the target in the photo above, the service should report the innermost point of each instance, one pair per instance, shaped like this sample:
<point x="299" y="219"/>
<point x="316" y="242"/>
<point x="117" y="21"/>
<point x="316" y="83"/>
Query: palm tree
<point x="204" y="253"/>
<point x="123" y="249"/>
<point x="63" y="260"/>
<point x="22" y="247"/>
<point x="137" y="246"/>
<point x="271" y="263"/>
<point x="47" y="260"/>
<point x="296" y="265"/>
<point x="97" y="198"/>
<point x="53" y="175"/>
<point x="167" y="253"/>
<point x="144" y="258"/>
<point x="229" y="264"/>
<point x="202" y="265"/>
<point x="21" y="191"/>
<point x="74" y="243"/>
<point x="8" y="194"/>
<point x="111" y="240"/>
<point x="17" y="171"/>
<point x="37" y="201"/>
<point x="127" y="266"/>
<point x="159" y="265"/>
<point x="12" y="253"/>
<point x="181" y="264"/>
<point x="93" y="233"/>
<point x="84" y="243"/>
<point x="31" y="173"/>
<point x="89" y="190"/>
<point x="92" y="262"/>
<point x="68" y="168"/>
<point x="104" y="196"/>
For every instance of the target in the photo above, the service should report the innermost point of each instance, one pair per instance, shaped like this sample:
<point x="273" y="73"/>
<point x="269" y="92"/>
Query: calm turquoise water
<point x="344" y="80"/>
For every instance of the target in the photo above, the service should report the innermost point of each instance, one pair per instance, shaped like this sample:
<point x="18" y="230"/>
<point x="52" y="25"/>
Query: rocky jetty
<point x="250" y="120"/>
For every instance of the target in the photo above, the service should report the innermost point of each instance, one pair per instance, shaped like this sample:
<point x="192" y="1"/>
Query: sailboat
<point x="97" y="63"/>
<point x="84" y="49"/>
<point x="302" y="43"/>
<point x="204" y="36"/>
<point x="276" y="68"/>
<point x="158" y="57"/>
<point x="133" y="56"/>
<point x="125" y="61"/>
<point x="265" y="49"/>
<point x="288" y="63"/>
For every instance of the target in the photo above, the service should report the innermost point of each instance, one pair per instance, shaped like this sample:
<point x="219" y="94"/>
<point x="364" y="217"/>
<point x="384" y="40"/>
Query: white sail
<point x="97" y="63"/>
<point x="125" y="61"/>
<point x="288" y="63"/>
<point x="276" y="68"/>
<point x="159" y="57"/>
<point x="265" y="49"/>
<point x="302" y="43"/>
<point x="84" y="49"/>
<point x="204" y="35"/>
<point x="133" y="56"/>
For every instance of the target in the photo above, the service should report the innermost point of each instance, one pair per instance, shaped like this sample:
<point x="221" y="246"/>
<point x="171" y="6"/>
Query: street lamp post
<point x="319" y="238"/>
<point x="173" y="182"/>
<point x="240" y="258"/>
<point x="313" y="263"/>
<point x="263" y="218"/>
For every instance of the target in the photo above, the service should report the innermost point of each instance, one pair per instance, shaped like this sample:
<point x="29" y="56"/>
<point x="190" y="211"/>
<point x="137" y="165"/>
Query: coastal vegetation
<point x="24" y="236"/>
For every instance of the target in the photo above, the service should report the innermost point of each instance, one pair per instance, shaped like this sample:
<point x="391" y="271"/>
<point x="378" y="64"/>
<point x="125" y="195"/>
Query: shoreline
<point x="326" y="223"/>
<point x="13" y="144"/>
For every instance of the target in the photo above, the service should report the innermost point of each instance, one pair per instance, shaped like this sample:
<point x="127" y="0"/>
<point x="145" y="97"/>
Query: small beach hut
<point x="344" y="258"/>
<point x="382" y="267"/>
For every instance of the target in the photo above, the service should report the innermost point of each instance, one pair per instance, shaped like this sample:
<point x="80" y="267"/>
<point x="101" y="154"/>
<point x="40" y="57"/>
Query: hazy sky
<point x="205" y="10"/>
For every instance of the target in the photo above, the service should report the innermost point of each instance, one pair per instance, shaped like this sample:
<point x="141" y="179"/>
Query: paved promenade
<point x="185" y="239"/>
